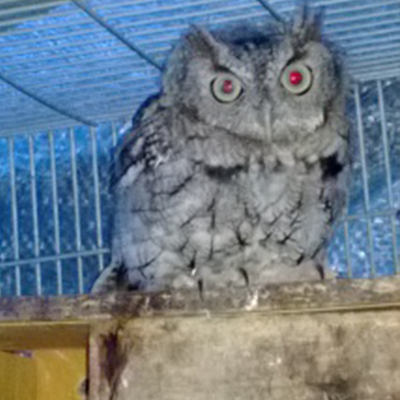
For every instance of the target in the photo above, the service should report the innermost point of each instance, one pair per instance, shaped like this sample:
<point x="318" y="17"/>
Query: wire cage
<point x="71" y="73"/>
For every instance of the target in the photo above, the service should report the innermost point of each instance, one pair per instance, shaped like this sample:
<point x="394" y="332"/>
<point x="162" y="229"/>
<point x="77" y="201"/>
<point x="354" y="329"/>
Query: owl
<point x="236" y="172"/>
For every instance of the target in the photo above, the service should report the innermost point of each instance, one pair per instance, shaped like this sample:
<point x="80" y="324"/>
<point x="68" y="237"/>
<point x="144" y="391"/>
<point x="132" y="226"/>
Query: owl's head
<point x="257" y="83"/>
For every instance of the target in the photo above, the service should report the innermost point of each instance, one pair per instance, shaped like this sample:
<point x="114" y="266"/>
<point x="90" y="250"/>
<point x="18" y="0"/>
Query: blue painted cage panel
<point x="72" y="72"/>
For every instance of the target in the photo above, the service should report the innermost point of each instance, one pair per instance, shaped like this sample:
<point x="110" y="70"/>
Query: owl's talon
<point x="245" y="276"/>
<point x="201" y="289"/>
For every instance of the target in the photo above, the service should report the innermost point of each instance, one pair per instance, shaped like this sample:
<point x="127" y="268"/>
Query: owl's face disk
<point x="256" y="84"/>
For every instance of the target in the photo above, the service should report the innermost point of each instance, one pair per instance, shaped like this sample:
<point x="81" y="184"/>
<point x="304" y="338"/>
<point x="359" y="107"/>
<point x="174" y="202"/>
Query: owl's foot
<point x="325" y="272"/>
<point x="213" y="281"/>
<point x="112" y="279"/>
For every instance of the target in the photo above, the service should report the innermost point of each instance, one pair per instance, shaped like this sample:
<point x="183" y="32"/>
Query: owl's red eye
<point x="226" y="88"/>
<point x="297" y="78"/>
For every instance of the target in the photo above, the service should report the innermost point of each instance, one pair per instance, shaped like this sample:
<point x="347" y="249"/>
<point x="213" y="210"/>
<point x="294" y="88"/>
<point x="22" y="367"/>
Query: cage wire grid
<point x="71" y="72"/>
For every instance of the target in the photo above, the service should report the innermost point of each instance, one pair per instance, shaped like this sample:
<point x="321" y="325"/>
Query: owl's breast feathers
<point x="250" y="172"/>
<point x="190" y="200"/>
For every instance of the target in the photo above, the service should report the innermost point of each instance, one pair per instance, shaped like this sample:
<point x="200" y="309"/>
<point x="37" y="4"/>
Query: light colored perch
<point x="326" y="356"/>
<point x="330" y="341"/>
<point x="313" y="341"/>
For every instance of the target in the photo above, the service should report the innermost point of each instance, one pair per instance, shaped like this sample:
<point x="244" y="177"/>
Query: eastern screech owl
<point x="235" y="173"/>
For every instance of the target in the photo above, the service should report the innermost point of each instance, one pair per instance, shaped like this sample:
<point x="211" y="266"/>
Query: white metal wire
<point x="14" y="21"/>
<point x="14" y="213"/>
<point x="95" y="170"/>
<point x="35" y="215"/>
<point x="361" y="142"/>
<point x="75" y="194"/>
<point x="346" y="249"/>
<point x="388" y="172"/>
<point x="371" y="214"/>
<point x="114" y="134"/>
<point x="56" y="218"/>
<point x="29" y="8"/>
<point x="17" y="264"/>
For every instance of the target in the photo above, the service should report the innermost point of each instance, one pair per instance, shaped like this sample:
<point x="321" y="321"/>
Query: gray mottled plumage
<point x="233" y="193"/>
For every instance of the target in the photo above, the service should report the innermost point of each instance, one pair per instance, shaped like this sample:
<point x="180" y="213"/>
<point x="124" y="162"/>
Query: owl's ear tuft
<point x="307" y="24"/>
<point x="202" y="42"/>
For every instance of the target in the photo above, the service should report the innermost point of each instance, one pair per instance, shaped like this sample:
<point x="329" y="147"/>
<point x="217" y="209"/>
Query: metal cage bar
<point x="56" y="218"/>
<point x="346" y="249"/>
<point x="75" y="194"/>
<point x="14" y="213"/>
<point x="53" y="258"/>
<point x="388" y="171"/>
<point x="114" y="134"/>
<point x="29" y="8"/>
<point x="95" y="170"/>
<point x="35" y="217"/>
<point x="361" y="143"/>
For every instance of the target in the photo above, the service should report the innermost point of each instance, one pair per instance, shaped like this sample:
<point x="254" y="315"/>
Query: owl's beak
<point x="264" y="122"/>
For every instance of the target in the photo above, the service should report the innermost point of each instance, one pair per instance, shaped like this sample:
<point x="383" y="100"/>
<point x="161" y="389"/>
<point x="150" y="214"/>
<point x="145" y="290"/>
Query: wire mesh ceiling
<point x="64" y="63"/>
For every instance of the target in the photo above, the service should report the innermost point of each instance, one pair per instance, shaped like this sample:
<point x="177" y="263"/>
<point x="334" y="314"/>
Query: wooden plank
<point x="291" y="298"/>
<point x="43" y="335"/>
<point x="17" y="377"/>
<point x="50" y="374"/>
<point x="61" y="373"/>
<point x="319" y="356"/>
<point x="336" y="340"/>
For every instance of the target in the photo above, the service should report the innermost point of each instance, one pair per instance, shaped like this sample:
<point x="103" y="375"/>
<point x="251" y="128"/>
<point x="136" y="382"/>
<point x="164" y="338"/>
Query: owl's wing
<point x="144" y="145"/>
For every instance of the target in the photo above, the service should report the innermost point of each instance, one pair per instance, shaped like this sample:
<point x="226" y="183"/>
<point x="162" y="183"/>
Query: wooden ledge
<point x="306" y="341"/>
<point x="340" y="295"/>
